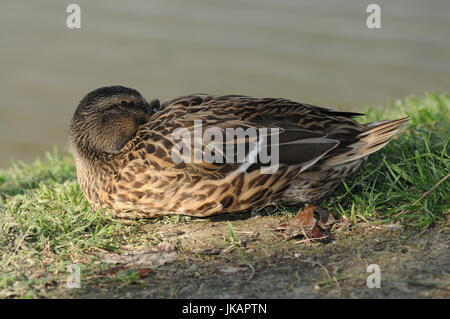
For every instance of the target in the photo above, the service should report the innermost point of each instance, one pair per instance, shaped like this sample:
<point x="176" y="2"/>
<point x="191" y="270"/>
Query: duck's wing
<point x="250" y="108"/>
<point x="252" y="143"/>
<point x="277" y="110"/>
<point x="290" y="115"/>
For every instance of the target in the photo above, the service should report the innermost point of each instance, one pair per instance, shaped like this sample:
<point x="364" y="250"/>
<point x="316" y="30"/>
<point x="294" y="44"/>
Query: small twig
<point x="428" y="192"/>
<point x="228" y="248"/>
<point x="253" y="271"/>
<point x="196" y="239"/>
<point x="310" y="239"/>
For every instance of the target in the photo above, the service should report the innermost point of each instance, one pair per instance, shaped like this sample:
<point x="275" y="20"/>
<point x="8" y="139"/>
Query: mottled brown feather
<point x="134" y="173"/>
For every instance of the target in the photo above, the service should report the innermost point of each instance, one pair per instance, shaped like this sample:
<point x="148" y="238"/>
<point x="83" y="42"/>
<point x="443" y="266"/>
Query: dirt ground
<point x="208" y="261"/>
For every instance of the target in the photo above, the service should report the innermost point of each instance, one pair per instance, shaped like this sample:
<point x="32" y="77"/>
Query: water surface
<point x="313" y="51"/>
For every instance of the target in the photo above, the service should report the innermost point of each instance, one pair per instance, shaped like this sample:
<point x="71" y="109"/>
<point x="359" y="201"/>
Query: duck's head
<point x="107" y="118"/>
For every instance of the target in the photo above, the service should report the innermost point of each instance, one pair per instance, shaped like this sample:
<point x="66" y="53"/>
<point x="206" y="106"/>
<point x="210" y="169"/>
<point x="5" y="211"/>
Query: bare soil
<point x="260" y="263"/>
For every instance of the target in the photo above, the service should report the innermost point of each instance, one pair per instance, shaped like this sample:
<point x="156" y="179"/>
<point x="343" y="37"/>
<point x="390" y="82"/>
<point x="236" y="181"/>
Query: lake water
<point x="319" y="52"/>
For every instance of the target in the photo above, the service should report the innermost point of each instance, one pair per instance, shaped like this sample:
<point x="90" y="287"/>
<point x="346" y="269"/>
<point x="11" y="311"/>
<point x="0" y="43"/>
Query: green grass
<point x="46" y="224"/>
<point x="408" y="180"/>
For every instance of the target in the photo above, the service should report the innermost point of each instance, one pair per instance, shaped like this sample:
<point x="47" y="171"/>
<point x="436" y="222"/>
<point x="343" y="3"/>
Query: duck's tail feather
<point x="374" y="137"/>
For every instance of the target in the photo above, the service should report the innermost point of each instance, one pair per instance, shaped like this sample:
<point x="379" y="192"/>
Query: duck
<point x="140" y="159"/>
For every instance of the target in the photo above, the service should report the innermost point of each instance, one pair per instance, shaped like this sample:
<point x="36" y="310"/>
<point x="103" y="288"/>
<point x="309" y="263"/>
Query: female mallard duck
<point x="124" y="159"/>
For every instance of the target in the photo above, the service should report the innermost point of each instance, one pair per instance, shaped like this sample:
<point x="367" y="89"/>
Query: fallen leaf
<point x="312" y="223"/>
<point x="316" y="232"/>
<point x="144" y="272"/>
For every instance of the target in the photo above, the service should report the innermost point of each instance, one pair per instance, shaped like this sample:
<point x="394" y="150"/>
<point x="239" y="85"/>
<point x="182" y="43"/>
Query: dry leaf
<point x="312" y="223"/>
<point x="144" y="272"/>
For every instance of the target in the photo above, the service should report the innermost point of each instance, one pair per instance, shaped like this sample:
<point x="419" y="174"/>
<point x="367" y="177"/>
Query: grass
<point x="409" y="179"/>
<point x="236" y="242"/>
<point x="46" y="224"/>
